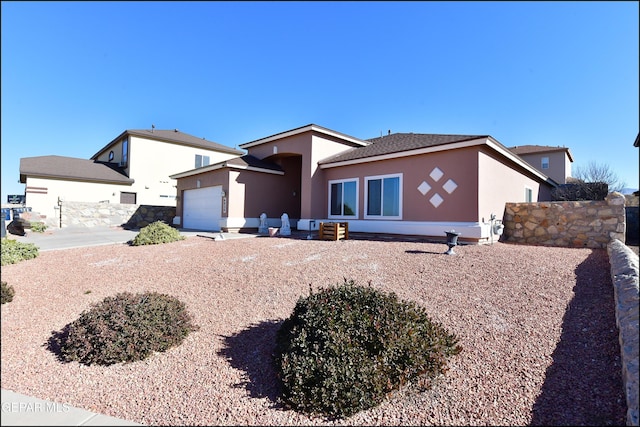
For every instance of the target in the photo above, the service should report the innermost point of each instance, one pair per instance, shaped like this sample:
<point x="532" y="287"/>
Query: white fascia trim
<point x="508" y="154"/>
<point x="255" y="169"/>
<point x="303" y="129"/>
<point x="488" y="141"/>
<point x="426" y="150"/>
<point x="197" y="171"/>
<point x="220" y="166"/>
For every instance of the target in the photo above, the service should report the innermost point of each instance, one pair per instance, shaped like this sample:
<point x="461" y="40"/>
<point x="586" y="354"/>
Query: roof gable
<point x="59" y="167"/>
<point x="346" y="139"/>
<point x="398" y="143"/>
<point x="246" y="162"/>
<point x="172" y="137"/>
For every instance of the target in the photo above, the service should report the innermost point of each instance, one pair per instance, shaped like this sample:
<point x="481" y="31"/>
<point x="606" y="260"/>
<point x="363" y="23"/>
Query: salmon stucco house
<point x="134" y="168"/>
<point x="401" y="183"/>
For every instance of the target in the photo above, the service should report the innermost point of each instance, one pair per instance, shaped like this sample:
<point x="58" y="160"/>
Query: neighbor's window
<point x="384" y="196"/>
<point x="201" y="161"/>
<point x="343" y="198"/>
<point x="125" y="151"/>
<point x="545" y="163"/>
<point x="528" y="195"/>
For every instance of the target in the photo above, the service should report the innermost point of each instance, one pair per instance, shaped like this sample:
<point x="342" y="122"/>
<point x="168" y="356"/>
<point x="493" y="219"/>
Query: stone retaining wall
<point x="591" y="224"/>
<point x="624" y="275"/>
<point x="82" y="214"/>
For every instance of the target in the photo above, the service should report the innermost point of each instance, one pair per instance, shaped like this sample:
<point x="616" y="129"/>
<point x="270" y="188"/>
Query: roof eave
<point x="74" y="178"/>
<point x="303" y="129"/>
<point x="399" y="154"/>
<point x="223" y="165"/>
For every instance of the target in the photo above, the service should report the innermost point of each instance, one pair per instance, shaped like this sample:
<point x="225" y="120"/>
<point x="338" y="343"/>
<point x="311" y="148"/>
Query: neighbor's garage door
<point x="201" y="208"/>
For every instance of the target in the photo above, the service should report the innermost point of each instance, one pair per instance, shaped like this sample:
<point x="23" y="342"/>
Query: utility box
<point x="334" y="230"/>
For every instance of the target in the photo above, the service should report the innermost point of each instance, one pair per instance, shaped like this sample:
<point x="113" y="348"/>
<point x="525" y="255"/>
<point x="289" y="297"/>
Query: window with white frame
<point x="383" y="196"/>
<point x="528" y="194"/>
<point x="201" y="161"/>
<point x="545" y="163"/>
<point x="343" y="198"/>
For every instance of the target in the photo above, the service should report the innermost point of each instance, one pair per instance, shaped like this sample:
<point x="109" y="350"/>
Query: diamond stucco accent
<point x="424" y="188"/>
<point x="436" y="174"/>
<point x="450" y="186"/>
<point x="436" y="200"/>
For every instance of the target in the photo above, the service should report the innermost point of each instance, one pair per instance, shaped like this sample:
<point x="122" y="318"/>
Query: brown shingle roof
<point x="172" y="136"/>
<point x="535" y="149"/>
<point x="71" y="168"/>
<point x="398" y="142"/>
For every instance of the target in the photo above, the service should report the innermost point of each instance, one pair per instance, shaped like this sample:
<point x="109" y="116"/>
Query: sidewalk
<point x="21" y="410"/>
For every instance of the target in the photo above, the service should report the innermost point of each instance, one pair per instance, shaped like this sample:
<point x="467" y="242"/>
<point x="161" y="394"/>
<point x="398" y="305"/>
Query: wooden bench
<point x="334" y="230"/>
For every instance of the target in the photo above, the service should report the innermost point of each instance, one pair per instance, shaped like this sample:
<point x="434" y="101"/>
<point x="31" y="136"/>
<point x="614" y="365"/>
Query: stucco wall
<point x="591" y="224"/>
<point x="45" y="201"/>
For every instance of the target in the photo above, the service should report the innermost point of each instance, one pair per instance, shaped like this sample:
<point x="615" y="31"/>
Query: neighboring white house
<point x="134" y="168"/>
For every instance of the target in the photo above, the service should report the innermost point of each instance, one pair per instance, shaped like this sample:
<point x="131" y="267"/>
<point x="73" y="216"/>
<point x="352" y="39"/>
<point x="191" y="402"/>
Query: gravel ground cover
<point x="537" y="327"/>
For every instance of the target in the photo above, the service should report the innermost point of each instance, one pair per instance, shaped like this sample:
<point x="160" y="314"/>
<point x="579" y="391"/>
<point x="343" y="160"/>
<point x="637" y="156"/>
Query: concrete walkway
<point x="21" y="410"/>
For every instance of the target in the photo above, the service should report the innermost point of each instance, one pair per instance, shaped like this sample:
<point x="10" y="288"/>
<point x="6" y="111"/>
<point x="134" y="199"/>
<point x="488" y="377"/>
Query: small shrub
<point x="7" y="293"/>
<point x="38" y="227"/>
<point x="156" y="233"/>
<point x="124" y="328"/>
<point x="345" y="348"/>
<point x="13" y="251"/>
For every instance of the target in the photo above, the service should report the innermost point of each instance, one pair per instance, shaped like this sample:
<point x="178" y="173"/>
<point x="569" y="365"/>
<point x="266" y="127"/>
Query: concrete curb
<point x="625" y="278"/>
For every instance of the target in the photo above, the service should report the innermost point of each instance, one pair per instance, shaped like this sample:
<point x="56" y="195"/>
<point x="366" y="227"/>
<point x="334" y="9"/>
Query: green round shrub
<point x="156" y="233"/>
<point x="7" y="293"/>
<point x="344" y="348"/>
<point x="14" y="251"/>
<point x="125" y="328"/>
<point x="38" y="227"/>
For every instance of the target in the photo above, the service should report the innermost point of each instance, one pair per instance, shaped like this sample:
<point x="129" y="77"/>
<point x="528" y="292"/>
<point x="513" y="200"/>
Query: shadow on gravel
<point x="55" y="341"/>
<point x="251" y="350"/>
<point x="583" y="385"/>
<point x="417" y="251"/>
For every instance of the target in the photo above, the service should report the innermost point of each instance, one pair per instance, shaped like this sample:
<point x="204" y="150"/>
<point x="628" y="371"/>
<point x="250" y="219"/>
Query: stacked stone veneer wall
<point x="624" y="275"/>
<point x="591" y="224"/>
<point x="82" y="214"/>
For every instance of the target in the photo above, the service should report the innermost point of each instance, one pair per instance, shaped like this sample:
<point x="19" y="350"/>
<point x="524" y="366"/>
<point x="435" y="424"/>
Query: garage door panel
<point x="201" y="208"/>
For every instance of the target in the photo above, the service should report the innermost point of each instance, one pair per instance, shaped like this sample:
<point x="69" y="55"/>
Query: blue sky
<point x="77" y="74"/>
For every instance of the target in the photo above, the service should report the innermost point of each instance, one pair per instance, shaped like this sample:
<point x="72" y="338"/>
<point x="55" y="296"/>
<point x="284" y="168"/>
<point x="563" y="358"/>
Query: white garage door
<point x="201" y="208"/>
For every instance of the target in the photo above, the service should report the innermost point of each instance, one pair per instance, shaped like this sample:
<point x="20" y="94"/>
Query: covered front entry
<point x="202" y="208"/>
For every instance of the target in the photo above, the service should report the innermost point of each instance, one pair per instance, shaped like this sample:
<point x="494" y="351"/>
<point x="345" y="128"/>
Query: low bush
<point x="38" y="227"/>
<point x="124" y="328"/>
<point x="7" y="293"/>
<point x="13" y="251"/>
<point x="344" y="348"/>
<point x="156" y="233"/>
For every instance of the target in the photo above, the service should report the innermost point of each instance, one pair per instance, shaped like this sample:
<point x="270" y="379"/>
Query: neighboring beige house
<point x="403" y="183"/>
<point x="555" y="162"/>
<point x="134" y="168"/>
